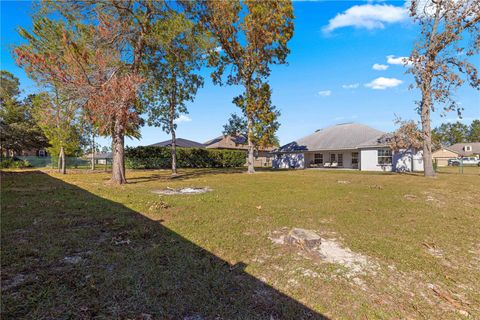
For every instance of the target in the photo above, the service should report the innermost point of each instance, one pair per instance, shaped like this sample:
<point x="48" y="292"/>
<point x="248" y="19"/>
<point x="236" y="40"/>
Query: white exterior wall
<point x="418" y="161"/>
<point x="369" y="161"/>
<point x="288" y="161"/>
<point x="405" y="161"/>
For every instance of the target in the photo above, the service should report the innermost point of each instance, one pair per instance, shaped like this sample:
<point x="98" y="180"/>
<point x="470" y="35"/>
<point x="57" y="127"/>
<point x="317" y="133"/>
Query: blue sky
<point x="329" y="79"/>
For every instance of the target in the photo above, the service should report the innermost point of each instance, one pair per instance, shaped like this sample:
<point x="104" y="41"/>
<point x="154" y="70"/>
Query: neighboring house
<point x="464" y="149"/>
<point x="25" y="153"/>
<point x="347" y="145"/>
<point x="181" y="143"/>
<point x="263" y="157"/>
<point x="99" y="157"/>
<point x="34" y="153"/>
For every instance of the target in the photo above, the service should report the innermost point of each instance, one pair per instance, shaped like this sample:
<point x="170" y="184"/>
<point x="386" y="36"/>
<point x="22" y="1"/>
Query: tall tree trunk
<point x="174" y="140"/>
<point x="174" y="153"/>
<point x="93" y="152"/>
<point x="427" y="134"/>
<point x="250" y="157"/>
<point x="118" y="143"/>
<point x="61" y="160"/>
<point x="250" y="166"/>
<point x="172" y="129"/>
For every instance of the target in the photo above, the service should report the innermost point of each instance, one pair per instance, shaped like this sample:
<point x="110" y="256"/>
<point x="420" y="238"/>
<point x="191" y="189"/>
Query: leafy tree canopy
<point x="450" y="133"/>
<point x="18" y="130"/>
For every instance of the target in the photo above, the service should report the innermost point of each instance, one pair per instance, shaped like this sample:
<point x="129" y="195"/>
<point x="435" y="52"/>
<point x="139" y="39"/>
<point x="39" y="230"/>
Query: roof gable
<point x="181" y="143"/>
<point x="460" y="149"/>
<point x="230" y="142"/>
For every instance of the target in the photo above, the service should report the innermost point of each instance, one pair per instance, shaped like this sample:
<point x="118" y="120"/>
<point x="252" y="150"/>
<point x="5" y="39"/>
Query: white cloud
<point x="382" y="83"/>
<point x="368" y="16"/>
<point x="391" y="59"/>
<point x="351" y="86"/>
<point x="325" y="93"/>
<point x="183" y="118"/>
<point x="379" y="67"/>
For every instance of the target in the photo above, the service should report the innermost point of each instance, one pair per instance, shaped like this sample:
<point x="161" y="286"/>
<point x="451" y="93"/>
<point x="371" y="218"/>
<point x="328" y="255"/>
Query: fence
<point x="441" y="165"/>
<point x="456" y="166"/>
<point x="70" y="162"/>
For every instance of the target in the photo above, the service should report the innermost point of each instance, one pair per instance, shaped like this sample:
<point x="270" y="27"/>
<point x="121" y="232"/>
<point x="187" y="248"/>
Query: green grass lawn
<point x="75" y="246"/>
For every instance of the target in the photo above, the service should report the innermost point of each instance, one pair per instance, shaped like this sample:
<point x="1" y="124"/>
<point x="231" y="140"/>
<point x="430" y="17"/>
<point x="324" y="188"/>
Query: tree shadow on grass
<point x="67" y="253"/>
<point x="184" y="174"/>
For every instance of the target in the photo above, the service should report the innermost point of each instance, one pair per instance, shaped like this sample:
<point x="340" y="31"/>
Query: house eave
<point x="334" y="149"/>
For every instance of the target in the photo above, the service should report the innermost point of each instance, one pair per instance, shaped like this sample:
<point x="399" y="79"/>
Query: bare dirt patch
<point x="329" y="250"/>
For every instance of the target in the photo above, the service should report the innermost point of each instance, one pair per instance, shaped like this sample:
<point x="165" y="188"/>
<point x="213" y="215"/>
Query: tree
<point x="264" y="121"/>
<point x="57" y="118"/>
<point x="18" y="130"/>
<point x="440" y="58"/>
<point x="10" y="87"/>
<point x="474" y="131"/>
<point x="89" y="132"/>
<point x="93" y="52"/>
<point x="106" y="149"/>
<point x="174" y="73"/>
<point x="236" y="126"/>
<point x="450" y="133"/>
<point x="407" y="137"/>
<point x="252" y="36"/>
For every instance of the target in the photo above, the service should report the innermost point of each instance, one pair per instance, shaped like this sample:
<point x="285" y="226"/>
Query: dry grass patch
<point x="76" y="246"/>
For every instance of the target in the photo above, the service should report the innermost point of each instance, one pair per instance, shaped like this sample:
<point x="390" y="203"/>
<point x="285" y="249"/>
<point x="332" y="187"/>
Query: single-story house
<point x="347" y="145"/>
<point x="464" y="149"/>
<point x="263" y="157"/>
<point x="34" y="152"/>
<point x="99" y="157"/>
<point x="181" y="143"/>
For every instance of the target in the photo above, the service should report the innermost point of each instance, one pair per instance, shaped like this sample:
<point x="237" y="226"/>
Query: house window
<point x="318" y="158"/>
<point x="340" y="160"/>
<point x="332" y="157"/>
<point x="41" y="153"/>
<point x="354" y="158"/>
<point x="384" y="156"/>
<point x="468" y="148"/>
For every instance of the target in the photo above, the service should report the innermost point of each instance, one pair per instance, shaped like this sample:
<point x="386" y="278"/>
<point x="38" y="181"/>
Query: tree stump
<point x="303" y="238"/>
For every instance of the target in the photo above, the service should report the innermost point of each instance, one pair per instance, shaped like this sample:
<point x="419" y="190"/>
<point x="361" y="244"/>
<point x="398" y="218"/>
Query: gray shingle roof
<point x="459" y="148"/>
<point x="182" y="143"/>
<point x="338" y="137"/>
<point x="216" y="142"/>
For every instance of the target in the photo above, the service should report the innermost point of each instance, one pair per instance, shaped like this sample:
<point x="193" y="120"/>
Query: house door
<point x="340" y="159"/>
<point x="355" y="160"/>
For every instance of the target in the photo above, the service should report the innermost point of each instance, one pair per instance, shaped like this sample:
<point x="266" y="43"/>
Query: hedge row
<point x="161" y="157"/>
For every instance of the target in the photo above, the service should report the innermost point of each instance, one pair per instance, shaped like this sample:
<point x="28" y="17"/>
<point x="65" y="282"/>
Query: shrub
<point x="161" y="157"/>
<point x="14" y="163"/>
